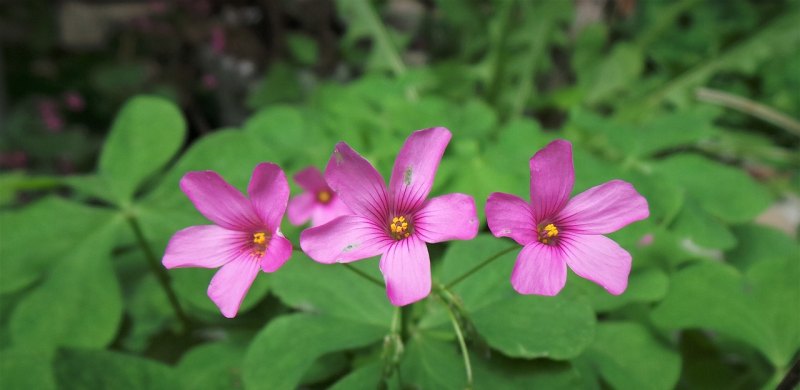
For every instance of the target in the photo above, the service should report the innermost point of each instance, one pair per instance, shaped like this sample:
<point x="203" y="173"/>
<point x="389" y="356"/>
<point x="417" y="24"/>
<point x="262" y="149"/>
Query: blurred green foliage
<point x="713" y="296"/>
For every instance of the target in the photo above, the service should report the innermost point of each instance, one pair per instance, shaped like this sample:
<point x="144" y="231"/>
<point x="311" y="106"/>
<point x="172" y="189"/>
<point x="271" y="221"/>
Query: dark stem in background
<point x="479" y="266"/>
<point x="792" y="377"/>
<point x="160" y="273"/>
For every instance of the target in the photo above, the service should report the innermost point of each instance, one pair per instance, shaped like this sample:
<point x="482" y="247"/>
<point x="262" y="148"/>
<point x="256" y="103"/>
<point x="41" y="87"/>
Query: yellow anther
<point x="324" y="196"/>
<point x="395" y="219"/>
<point x="259" y="238"/>
<point x="551" y="230"/>
<point x="399" y="228"/>
<point x="402" y="219"/>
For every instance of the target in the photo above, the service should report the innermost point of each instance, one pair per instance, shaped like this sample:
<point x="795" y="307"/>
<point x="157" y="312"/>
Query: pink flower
<point x="217" y="39"/>
<point x="557" y="232"/>
<point x="319" y="203"/>
<point x="74" y="101"/>
<point x="50" y="116"/>
<point x="395" y="223"/>
<point x="246" y="233"/>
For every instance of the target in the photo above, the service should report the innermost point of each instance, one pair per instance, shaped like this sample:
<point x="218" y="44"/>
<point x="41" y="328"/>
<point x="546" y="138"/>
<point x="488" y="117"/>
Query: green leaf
<point x="711" y="183"/>
<point x="146" y="134"/>
<point x="279" y="85"/>
<point x="212" y="366"/>
<point x="499" y="372"/>
<point x="80" y="369"/>
<point x="285" y="349"/>
<point x="333" y="290"/>
<point x="703" y="229"/>
<point x="614" y="73"/>
<point x="366" y="377"/>
<point x="527" y="326"/>
<point x="756" y="308"/>
<point x="191" y="284"/>
<point x="79" y="304"/>
<point x="429" y="363"/>
<point x="629" y="357"/>
<point x="295" y="140"/>
<point x="758" y="243"/>
<point x="26" y="368"/>
<point x="62" y="224"/>
<point x="646" y="285"/>
<point x="149" y="310"/>
<point x="303" y="48"/>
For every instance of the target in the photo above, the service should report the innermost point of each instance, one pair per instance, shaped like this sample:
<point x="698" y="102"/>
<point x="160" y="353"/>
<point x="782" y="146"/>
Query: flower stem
<point x="364" y="275"/>
<point x="392" y="348"/>
<point x="461" y="344"/>
<point x="749" y="107"/>
<point x="479" y="266"/>
<point x="160" y="273"/>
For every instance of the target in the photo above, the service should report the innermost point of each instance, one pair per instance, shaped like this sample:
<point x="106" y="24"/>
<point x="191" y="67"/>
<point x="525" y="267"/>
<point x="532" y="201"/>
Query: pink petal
<point x="540" y="270"/>
<point x="269" y="193"/>
<point x="311" y="180"/>
<point x="345" y="239"/>
<point x="301" y="207"/>
<point x="219" y="201"/>
<point x="325" y="213"/>
<point x="415" y="167"/>
<point x="278" y="251"/>
<point x="604" y="209"/>
<point x="510" y="216"/>
<point x="206" y="246"/>
<point x="552" y="177"/>
<point x="357" y="182"/>
<point x="447" y="217"/>
<point x="599" y="259"/>
<point x="230" y="284"/>
<point x="406" y="268"/>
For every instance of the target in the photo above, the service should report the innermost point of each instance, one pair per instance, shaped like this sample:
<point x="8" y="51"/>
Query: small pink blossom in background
<point x="74" y="101"/>
<point x="217" y="39"/>
<point x="318" y="203"/>
<point x="394" y="223"/>
<point x="158" y="6"/>
<point x="646" y="240"/>
<point x="210" y="81"/>
<point x="50" y="116"/>
<point x="245" y="236"/>
<point x="556" y="231"/>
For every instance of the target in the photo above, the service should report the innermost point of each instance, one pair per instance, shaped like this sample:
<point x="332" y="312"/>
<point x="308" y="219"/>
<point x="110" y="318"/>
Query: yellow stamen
<point x="399" y="228"/>
<point x="324" y="196"/>
<point x="551" y="230"/>
<point x="259" y="243"/>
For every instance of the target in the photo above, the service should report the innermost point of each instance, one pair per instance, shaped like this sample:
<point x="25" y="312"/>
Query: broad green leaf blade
<point x="755" y="308"/>
<point x="79" y="304"/>
<point x="429" y="363"/>
<point x="146" y="134"/>
<point x="212" y="366"/>
<point x="81" y="369"/>
<point x="629" y="357"/>
<point x="645" y="285"/>
<point x="26" y="368"/>
<point x="366" y="377"/>
<point x="333" y="290"/>
<point x="38" y="236"/>
<point x="282" y="352"/>
<point x="559" y="327"/>
<point x="702" y="228"/>
<point x="712" y="185"/>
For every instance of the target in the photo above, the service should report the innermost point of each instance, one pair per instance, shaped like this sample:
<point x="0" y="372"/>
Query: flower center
<point x="547" y="234"/>
<point x="324" y="196"/>
<point x="259" y="243"/>
<point x="400" y="228"/>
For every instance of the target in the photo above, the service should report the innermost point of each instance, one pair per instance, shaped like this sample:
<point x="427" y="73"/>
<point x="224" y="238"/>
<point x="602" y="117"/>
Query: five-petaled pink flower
<point x="246" y="234"/>
<point x="319" y="203"/>
<point x="396" y="222"/>
<point x="557" y="232"/>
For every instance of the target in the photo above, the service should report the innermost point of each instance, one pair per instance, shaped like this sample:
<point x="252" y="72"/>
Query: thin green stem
<point x="160" y="273"/>
<point x="392" y="347"/>
<point x="462" y="344"/>
<point x="479" y="266"/>
<point x="364" y="275"/>
<point x="749" y="107"/>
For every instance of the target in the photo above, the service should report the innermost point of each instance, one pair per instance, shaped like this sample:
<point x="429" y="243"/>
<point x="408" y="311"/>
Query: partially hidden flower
<point x="397" y="222"/>
<point x="318" y="203"/>
<point x="556" y="231"/>
<point x="245" y="236"/>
